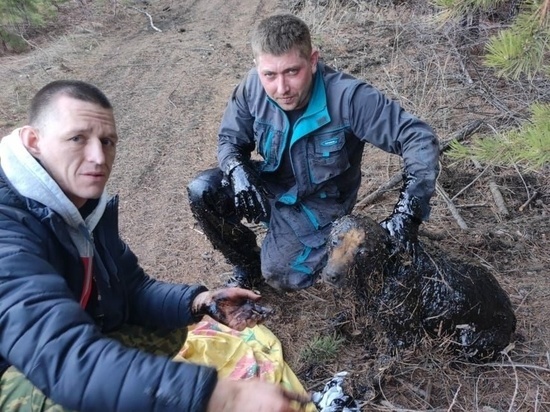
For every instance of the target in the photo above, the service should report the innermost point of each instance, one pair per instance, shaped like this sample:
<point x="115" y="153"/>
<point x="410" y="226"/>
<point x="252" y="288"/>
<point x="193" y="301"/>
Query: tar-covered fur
<point x="431" y="293"/>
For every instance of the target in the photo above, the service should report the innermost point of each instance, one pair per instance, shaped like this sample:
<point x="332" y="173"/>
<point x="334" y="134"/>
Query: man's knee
<point x="209" y="195"/>
<point x="290" y="265"/>
<point x="287" y="278"/>
<point x="206" y="182"/>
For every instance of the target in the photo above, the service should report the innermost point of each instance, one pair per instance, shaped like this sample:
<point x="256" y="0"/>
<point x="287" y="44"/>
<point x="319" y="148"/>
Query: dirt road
<point x="169" y="89"/>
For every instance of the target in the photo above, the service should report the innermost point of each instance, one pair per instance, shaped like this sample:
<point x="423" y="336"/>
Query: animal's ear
<point x="374" y="230"/>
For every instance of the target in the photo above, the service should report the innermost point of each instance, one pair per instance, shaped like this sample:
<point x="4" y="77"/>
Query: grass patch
<point x="322" y="349"/>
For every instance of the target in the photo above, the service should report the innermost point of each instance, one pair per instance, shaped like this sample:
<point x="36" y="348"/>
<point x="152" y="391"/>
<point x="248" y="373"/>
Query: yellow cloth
<point x="254" y="352"/>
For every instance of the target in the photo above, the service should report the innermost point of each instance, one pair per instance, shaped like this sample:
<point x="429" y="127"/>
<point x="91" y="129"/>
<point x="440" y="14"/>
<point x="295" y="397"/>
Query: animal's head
<point x="355" y="243"/>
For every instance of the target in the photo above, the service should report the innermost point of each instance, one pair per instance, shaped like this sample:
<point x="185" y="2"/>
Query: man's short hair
<point x="75" y="89"/>
<point x="279" y="34"/>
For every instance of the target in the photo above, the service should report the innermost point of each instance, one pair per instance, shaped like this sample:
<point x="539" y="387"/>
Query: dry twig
<point x="390" y="184"/>
<point x="452" y="208"/>
<point x="148" y="15"/>
<point x="459" y="135"/>
<point x="469" y="184"/>
<point x="523" y="206"/>
<point x="497" y="196"/>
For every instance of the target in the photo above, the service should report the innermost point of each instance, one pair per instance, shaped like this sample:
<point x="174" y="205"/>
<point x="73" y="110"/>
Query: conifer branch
<point x="372" y="197"/>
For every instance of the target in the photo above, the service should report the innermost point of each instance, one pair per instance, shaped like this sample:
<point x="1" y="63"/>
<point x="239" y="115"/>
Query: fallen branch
<point x="470" y="205"/>
<point x="455" y="397"/>
<point x="148" y="15"/>
<point x="461" y="134"/>
<point x="499" y="200"/>
<point x="523" y="206"/>
<point x="516" y="386"/>
<point x="452" y="208"/>
<point x="390" y="184"/>
<point x="497" y="196"/>
<point x="513" y="365"/>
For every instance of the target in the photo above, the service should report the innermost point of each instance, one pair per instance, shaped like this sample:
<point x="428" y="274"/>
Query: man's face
<point x="76" y="144"/>
<point x="287" y="78"/>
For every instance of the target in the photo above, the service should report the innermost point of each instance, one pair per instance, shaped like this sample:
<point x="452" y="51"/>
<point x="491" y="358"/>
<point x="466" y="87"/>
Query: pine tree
<point x="521" y="49"/>
<point x="17" y="17"/>
<point x="519" y="52"/>
<point x="528" y="146"/>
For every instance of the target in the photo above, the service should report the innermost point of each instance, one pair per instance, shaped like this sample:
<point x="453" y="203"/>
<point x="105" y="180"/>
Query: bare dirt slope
<point x="169" y="88"/>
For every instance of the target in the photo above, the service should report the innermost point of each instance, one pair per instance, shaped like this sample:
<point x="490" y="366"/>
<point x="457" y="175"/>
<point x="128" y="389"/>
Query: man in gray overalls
<point x="309" y="123"/>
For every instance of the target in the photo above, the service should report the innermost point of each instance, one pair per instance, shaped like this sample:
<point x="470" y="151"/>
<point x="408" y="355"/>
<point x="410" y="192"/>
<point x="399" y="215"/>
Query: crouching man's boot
<point x="212" y="205"/>
<point x="246" y="276"/>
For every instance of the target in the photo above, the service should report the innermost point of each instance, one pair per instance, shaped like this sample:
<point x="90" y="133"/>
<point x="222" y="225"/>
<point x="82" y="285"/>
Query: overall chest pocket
<point x="327" y="156"/>
<point x="268" y="143"/>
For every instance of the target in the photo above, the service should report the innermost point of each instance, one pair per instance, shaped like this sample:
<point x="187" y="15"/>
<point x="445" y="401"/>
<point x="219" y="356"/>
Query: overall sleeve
<point x="56" y="345"/>
<point x="236" y="134"/>
<point x="385" y="124"/>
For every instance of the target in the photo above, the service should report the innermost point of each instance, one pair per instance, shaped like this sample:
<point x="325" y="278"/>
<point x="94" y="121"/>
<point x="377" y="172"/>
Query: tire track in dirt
<point x="169" y="90"/>
<point x="181" y="80"/>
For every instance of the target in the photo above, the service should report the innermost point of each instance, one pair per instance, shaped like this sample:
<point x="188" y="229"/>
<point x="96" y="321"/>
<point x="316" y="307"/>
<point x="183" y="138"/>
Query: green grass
<point x="321" y="349"/>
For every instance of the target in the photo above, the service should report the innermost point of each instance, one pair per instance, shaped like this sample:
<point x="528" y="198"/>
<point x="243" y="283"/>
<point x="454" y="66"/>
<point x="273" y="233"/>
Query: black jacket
<point x="60" y="347"/>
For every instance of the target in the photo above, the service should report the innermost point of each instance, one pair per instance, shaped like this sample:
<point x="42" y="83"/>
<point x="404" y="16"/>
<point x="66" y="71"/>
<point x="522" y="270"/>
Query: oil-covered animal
<point x="426" y="292"/>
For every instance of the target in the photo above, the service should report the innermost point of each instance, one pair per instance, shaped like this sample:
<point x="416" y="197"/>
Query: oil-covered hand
<point x="250" y="200"/>
<point x="404" y="228"/>
<point x="403" y="223"/>
<point x="234" y="307"/>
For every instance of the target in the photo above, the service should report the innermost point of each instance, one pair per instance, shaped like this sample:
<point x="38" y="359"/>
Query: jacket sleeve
<point x="56" y="345"/>
<point x="236" y="134"/>
<point x="385" y="124"/>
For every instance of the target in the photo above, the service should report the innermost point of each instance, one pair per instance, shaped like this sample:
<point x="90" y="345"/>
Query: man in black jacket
<point x="69" y="285"/>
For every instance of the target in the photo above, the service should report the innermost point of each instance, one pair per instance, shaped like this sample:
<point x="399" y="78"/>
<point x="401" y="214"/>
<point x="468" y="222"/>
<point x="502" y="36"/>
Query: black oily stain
<point x="215" y="310"/>
<point x="432" y="292"/>
<point x="221" y="308"/>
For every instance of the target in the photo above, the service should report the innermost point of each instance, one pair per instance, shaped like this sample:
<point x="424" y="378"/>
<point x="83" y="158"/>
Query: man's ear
<point x="314" y="58"/>
<point x="29" y="138"/>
